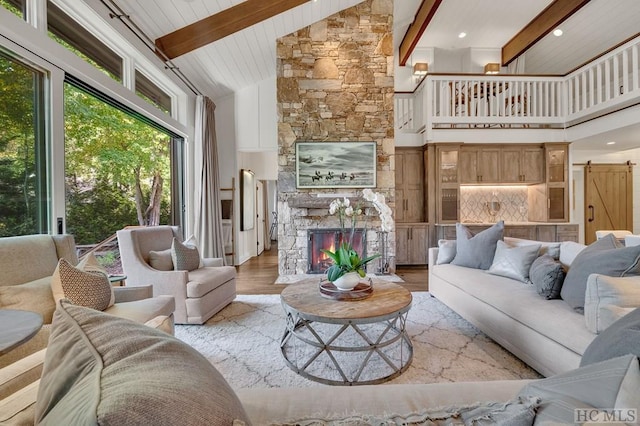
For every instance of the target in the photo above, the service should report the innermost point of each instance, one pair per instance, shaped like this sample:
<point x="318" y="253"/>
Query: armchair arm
<point x="129" y="294"/>
<point x="433" y="255"/>
<point x="213" y="261"/>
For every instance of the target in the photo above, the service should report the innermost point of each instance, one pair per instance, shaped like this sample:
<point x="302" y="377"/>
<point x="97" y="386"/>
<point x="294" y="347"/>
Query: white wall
<point x="256" y="117"/>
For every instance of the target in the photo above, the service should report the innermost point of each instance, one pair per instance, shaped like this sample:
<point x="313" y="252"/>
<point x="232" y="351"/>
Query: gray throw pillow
<point x="611" y="384"/>
<point x="446" y="251"/>
<point x="161" y="260"/>
<point x="476" y="251"/>
<point x="604" y="256"/>
<point x="547" y="276"/>
<point x="514" y="262"/>
<point x="620" y="338"/>
<point x="106" y="370"/>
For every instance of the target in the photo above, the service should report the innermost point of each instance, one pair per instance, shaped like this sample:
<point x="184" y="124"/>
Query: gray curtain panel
<point x="208" y="223"/>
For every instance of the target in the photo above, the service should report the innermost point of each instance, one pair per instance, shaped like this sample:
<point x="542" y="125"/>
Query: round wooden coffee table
<point x="346" y="342"/>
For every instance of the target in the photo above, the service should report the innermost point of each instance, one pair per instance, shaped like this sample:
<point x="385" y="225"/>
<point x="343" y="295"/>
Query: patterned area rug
<point x="243" y="343"/>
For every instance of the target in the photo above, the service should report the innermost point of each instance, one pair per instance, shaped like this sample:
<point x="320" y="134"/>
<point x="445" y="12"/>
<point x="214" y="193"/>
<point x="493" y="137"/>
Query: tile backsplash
<point x="474" y="202"/>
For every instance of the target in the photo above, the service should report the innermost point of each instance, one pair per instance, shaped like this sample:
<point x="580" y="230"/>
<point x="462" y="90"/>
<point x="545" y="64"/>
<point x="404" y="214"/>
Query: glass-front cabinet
<point x="449" y="183"/>
<point x="557" y="182"/>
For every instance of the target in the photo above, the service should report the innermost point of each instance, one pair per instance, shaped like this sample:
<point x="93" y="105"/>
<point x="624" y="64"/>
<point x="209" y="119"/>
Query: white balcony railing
<point x="443" y="101"/>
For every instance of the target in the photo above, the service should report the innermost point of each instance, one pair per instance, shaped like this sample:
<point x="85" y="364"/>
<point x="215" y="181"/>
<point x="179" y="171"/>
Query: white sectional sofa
<point x="546" y="334"/>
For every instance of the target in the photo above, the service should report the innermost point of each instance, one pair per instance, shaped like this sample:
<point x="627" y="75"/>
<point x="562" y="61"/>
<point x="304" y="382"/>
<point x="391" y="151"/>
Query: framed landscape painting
<point x="336" y="164"/>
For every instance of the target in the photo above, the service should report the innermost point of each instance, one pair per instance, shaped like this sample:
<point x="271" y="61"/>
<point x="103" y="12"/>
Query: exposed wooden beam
<point x="546" y="21"/>
<point x="222" y="24"/>
<point x="425" y="13"/>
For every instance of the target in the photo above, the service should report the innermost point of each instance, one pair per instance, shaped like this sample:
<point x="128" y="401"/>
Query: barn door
<point x="608" y="198"/>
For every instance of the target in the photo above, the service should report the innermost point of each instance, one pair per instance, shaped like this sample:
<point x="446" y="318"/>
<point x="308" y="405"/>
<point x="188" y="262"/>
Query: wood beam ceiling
<point x="222" y="24"/>
<point x="425" y="13"/>
<point x="556" y="13"/>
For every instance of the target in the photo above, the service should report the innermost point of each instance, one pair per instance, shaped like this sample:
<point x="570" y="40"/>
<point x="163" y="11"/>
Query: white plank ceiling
<point x="236" y="61"/>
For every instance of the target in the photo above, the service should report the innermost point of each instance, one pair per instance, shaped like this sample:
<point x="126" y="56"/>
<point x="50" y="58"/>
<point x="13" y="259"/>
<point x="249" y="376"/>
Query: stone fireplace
<point x="334" y="83"/>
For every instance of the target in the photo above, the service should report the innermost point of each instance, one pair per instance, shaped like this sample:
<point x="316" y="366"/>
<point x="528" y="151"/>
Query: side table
<point x="17" y="328"/>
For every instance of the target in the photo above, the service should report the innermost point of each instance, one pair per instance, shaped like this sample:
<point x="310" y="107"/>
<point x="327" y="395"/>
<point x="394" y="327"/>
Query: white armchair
<point x="199" y="294"/>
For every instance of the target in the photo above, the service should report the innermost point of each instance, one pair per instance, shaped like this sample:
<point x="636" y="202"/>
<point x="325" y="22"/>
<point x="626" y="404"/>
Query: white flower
<point x="346" y="202"/>
<point x="348" y="211"/>
<point x="368" y="194"/>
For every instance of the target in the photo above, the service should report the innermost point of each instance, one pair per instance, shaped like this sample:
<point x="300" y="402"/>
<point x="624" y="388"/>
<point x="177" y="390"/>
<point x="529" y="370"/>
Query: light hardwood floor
<point x="258" y="274"/>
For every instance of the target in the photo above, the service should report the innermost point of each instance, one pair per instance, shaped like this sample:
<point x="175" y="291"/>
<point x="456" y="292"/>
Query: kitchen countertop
<point x="507" y="223"/>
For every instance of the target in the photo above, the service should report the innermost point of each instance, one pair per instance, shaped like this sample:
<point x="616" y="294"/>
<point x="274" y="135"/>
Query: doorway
<point x="608" y="198"/>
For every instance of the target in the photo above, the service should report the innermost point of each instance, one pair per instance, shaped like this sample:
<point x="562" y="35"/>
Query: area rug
<point x="243" y="343"/>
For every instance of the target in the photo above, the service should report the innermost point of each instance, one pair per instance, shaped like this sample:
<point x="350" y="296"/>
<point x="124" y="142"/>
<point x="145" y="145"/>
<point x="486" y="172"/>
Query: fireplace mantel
<point x="322" y="202"/>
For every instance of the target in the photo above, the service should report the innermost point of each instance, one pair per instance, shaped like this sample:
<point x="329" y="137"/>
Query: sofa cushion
<point x="85" y="285"/>
<point x="26" y="258"/>
<point x="521" y="303"/>
<point x="568" y="252"/>
<point x="620" y="338"/>
<point x="547" y="276"/>
<point x="514" y="262"/>
<point x="608" y="299"/>
<point x="161" y="260"/>
<point x="143" y="310"/>
<point x="611" y="384"/>
<point x="476" y="251"/>
<point x="604" y="256"/>
<point x="185" y="258"/>
<point x="446" y="251"/>
<point x="35" y="296"/>
<point x="100" y="369"/>
<point x="203" y="280"/>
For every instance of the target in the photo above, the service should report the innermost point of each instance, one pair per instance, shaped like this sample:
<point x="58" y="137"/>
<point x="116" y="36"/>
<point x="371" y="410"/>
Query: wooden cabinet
<point x="542" y="232"/>
<point x="522" y="164"/>
<point x="411" y="244"/>
<point x="448" y="188"/>
<point x="409" y="185"/>
<point x="479" y="164"/>
<point x="549" y="201"/>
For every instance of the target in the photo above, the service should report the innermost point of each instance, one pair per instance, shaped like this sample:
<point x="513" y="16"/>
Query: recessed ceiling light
<point x="462" y="35"/>
<point x="557" y="32"/>
<point x="611" y="143"/>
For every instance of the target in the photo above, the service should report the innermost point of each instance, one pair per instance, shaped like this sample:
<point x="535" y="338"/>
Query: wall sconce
<point x="492" y="68"/>
<point x="420" y="69"/>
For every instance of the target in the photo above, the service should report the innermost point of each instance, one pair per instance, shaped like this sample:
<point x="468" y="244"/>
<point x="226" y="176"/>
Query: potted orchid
<point x="348" y="267"/>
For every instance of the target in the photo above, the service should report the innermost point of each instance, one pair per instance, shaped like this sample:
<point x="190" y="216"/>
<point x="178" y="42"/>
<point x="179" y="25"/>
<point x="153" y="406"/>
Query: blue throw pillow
<point x="477" y="251"/>
<point x="620" y="338"/>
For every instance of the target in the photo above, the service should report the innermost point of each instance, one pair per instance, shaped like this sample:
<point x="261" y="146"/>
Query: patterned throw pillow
<point x="185" y="258"/>
<point x="86" y="285"/>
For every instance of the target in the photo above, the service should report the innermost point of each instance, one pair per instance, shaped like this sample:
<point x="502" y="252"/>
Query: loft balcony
<point x="443" y="102"/>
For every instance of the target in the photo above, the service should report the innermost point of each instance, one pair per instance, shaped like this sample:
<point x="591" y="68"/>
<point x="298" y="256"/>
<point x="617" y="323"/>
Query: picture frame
<point x="336" y="164"/>
<point x="247" y="200"/>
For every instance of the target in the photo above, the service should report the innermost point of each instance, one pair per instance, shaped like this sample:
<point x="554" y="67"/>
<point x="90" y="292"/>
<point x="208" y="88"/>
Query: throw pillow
<point x="550" y="248"/>
<point x="611" y="384"/>
<point x="446" y="251"/>
<point x="514" y="262"/>
<point x="161" y="260"/>
<point x="193" y="242"/>
<point x="85" y="285"/>
<point x="608" y="299"/>
<point x="476" y="251"/>
<point x="102" y="369"/>
<point x="35" y="296"/>
<point x="547" y="276"/>
<point x="620" y="338"/>
<point x="604" y="256"/>
<point x="185" y="258"/>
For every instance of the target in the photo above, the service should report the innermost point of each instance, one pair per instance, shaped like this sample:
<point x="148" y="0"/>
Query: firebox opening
<point x="329" y="239"/>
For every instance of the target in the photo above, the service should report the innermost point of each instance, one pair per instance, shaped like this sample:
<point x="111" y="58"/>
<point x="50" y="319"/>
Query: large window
<point x="119" y="168"/>
<point x="23" y="165"/>
<point x="74" y="37"/>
